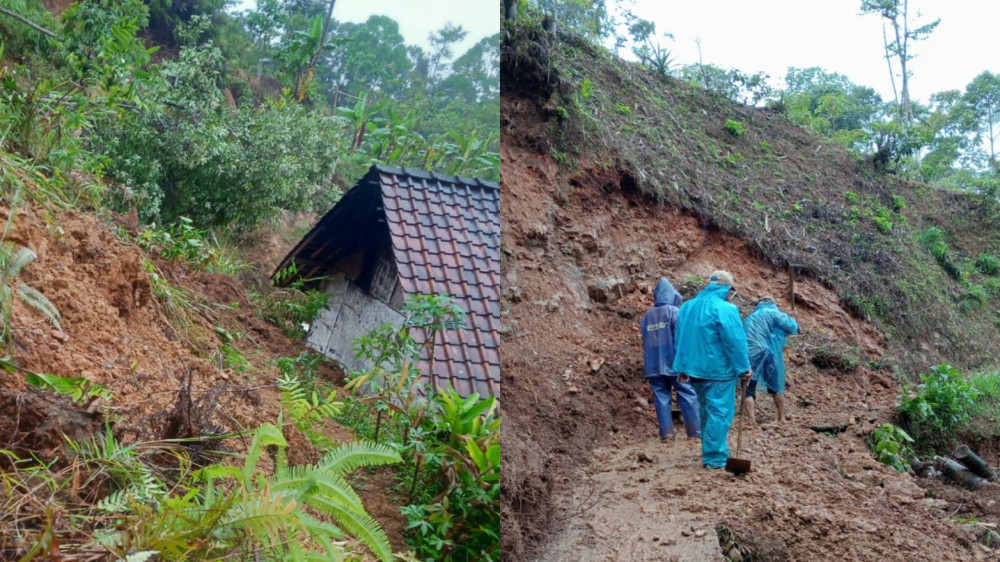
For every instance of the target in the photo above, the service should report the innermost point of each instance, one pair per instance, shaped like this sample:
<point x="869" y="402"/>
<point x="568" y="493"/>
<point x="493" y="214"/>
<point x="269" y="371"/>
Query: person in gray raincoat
<point x="766" y="329"/>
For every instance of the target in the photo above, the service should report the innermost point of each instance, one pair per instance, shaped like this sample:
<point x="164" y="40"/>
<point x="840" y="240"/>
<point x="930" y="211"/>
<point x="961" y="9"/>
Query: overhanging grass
<point x="984" y="416"/>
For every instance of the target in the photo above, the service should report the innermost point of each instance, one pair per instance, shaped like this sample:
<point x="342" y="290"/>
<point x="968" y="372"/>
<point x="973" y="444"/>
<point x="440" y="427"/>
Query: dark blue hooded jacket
<point x="657" y="327"/>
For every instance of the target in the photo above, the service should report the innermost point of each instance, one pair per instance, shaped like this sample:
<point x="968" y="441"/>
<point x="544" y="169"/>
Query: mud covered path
<point x="810" y="495"/>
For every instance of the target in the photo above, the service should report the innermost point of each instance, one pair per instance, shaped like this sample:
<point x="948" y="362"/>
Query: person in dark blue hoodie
<point x="658" y="326"/>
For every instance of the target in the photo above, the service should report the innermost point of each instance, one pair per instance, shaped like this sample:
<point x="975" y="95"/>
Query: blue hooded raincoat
<point x="658" y="328"/>
<point x="712" y="350"/>
<point x="766" y="328"/>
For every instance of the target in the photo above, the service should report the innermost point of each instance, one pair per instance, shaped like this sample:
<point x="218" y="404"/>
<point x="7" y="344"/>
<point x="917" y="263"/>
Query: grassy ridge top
<point x="911" y="258"/>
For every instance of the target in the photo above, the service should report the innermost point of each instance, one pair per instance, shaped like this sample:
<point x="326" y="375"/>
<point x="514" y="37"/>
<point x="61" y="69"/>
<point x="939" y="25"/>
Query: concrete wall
<point x="352" y="313"/>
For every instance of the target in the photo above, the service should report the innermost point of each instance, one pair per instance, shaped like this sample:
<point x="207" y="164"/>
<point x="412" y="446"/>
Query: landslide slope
<point x="613" y="176"/>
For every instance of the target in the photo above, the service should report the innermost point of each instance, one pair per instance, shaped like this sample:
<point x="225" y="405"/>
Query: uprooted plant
<point x="12" y="261"/>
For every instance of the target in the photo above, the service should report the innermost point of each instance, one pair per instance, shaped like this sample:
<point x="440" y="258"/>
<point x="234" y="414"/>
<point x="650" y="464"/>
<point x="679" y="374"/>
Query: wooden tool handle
<point x="739" y="434"/>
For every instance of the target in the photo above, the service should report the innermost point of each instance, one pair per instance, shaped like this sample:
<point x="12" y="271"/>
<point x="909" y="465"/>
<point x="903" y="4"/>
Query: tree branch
<point x="27" y="22"/>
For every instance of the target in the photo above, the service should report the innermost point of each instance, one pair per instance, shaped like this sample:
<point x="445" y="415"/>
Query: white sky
<point x="771" y="35"/>
<point x="418" y="18"/>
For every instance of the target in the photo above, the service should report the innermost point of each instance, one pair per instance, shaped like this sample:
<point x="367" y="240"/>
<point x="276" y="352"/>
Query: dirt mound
<point x="160" y="356"/>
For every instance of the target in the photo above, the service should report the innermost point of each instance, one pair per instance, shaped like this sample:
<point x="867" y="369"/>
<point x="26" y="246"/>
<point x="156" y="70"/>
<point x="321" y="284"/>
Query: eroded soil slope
<point x="147" y="350"/>
<point x="581" y="250"/>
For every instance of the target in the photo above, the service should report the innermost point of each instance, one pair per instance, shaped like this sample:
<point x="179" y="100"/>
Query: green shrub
<point x="735" y="128"/>
<point x="586" y="89"/>
<point x="984" y="416"/>
<point x="933" y="240"/>
<point x="883" y="224"/>
<point x="992" y="287"/>
<point x="450" y="444"/>
<point x="974" y="297"/>
<point x="851" y="197"/>
<point x="898" y="203"/>
<point x="937" y="409"/>
<point x="988" y="264"/>
<point x="891" y="446"/>
<point x="292" y="307"/>
<point x="186" y="153"/>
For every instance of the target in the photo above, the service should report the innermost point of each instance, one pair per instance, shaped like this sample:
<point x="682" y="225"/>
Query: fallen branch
<point x="27" y="22"/>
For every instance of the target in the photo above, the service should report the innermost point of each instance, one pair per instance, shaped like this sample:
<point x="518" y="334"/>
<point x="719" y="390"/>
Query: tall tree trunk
<point x="904" y="89"/>
<point x="993" y="154"/>
<point x="903" y="56"/>
<point x="888" y="62"/>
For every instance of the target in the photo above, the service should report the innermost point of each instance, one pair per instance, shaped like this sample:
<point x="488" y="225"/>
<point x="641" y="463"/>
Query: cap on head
<point x="722" y="278"/>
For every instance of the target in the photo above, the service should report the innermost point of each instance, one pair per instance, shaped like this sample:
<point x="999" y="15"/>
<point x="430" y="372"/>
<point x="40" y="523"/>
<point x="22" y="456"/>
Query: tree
<point x="589" y="18"/>
<point x="442" y="41"/>
<point x="946" y="133"/>
<point x="983" y="98"/>
<point x="833" y="98"/>
<point x="305" y="74"/>
<point x="896" y="14"/>
<point x="480" y="66"/>
<point x="368" y="56"/>
<point x="655" y="57"/>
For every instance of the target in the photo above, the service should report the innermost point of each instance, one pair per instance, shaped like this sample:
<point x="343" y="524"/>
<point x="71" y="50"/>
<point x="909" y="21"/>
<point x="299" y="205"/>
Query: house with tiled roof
<point x="402" y="232"/>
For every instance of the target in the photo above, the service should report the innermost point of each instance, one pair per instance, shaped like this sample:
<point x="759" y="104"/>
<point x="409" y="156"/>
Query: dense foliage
<point x="450" y="444"/>
<point x="250" y="114"/>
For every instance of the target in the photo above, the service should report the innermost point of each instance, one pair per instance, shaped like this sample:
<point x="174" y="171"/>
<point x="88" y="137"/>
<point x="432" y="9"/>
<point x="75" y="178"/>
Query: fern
<point x="350" y="456"/>
<point x="308" y="410"/>
<point x="272" y="510"/>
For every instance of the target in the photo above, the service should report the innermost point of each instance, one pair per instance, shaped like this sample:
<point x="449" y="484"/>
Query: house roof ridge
<point x="431" y="175"/>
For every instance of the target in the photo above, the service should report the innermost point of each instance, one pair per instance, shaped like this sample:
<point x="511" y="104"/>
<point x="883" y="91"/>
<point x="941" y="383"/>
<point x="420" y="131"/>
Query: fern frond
<point x="18" y="261"/>
<point x="361" y="453"/>
<point x="266" y="434"/>
<point x="326" y="536"/>
<point x="305" y="481"/>
<point x="361" y="525"/>
<point x="266" y="516"/>
<point x="39" y="302"/>
<point x="116" y="502"/>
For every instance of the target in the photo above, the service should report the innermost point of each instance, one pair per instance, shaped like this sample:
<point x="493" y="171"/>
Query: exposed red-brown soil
<point x="581" y="250"/>
<point x="117" y="333"/>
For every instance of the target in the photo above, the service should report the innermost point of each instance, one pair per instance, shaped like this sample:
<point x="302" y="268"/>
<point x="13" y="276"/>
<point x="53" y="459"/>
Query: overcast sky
<point x="418" y="18"/>
<point x="771" y="35"/>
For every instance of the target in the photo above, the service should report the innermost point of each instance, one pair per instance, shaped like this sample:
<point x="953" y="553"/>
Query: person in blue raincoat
<point x="766" y="328"/>
<point x="712" y="353"/>
<point x="658" y="327"/>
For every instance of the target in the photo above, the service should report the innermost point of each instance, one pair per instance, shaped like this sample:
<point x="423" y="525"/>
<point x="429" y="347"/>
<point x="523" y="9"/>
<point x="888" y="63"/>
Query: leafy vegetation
<point x="892" y="446"/>
<point x="292" y="308"/>
<point x="450" y="444"/>
<point x="937" y="408"/>
<point x="735" y="128"/>
<point x="141" y="505"/>
<point x="231" y="120"/>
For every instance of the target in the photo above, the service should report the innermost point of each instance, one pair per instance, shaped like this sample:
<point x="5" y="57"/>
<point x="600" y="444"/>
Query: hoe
<point x="736" y="465"/>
